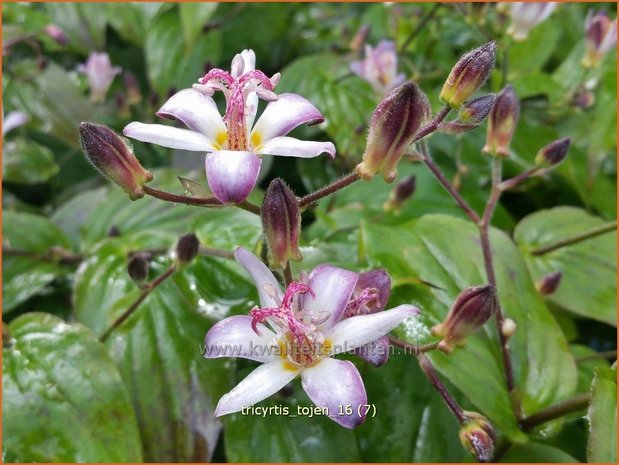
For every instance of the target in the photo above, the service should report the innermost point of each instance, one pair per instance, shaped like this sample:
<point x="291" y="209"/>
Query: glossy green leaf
<point x="172" y="63"/>
<point x="131" y="19"/>
<point x="84" y="24"/>
<point x="25" y="272"/>
<point x="228" y="228"/>
<point x="193" y="18"/>
<point x="588" y="284"/>
<point x="26" y="162"/>
<point x="535" y="452"/>
<point x="444" y="251"/>
<point x="62" y="398"/>
<point x="602" y="416"/>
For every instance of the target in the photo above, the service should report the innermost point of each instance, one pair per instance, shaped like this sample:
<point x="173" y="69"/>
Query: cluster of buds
<point x="393" y="127"/>
<point x="502" y="122"/>
<point x="281" y="222"/>
<point x="114" y="158"/>
<point x="478" y="437"/>
<point x="600" y="38"/>
<point x="472" y="308"/>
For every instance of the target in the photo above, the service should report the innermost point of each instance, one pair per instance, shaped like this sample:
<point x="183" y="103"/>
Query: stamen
<point x="360" y="305"/>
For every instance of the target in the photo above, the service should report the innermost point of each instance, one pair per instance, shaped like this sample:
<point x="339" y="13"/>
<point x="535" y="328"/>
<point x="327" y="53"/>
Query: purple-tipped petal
<point x="375" y="352"/>
<point x="336" y="384"/>
<point x="264" y="381"/>
<point x="232" y="175"/>
<point x="234" y="337"/>
<point x="332" y="288"/>
<point x="291" y="147"/>
<point x="357" y="331"/>
<point x="13" y="120"/>
<point x="283" y="115"/>
<point x="168" y="136"/>
<point x="197" y="111"/>
<point x="262" y="277"/>
<point x="376" y="279"/>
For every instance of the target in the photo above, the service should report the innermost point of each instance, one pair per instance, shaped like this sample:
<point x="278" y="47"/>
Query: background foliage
<point x="148" y="390"/>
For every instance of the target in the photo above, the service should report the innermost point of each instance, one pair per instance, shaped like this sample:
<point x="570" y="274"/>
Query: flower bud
<point x="548" y="284"/>
<point x="187" y="248"/>
<point x="553" y="154"/>
<point x="468" y="75"/>
<point x="138" y="267"/>
<point x="470" y="116"/>
<point x="57" y="34"/>
<point x="584" y="98"/>
<point x="394" y="124"/>
<point x="600" y="38"/>
<point x="133" y="88"/>
<point x="360" y="37"/>
<point x="502" y="122"/>
<point x="281" y="221"/>
<point x="473" y="307"/>
<point x="401" y="193"/>
<point x="508" y="328"/>
<point x="478" y="437"/>
<point x="114" y="158"/>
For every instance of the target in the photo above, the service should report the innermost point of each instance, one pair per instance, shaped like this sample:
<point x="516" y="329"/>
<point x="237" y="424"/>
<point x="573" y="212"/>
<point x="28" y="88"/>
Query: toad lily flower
<point x="379" y="67"/>
<point x="100" y="72"/>
<point x="525" y="16"/>
<point x="233" y="147"/>
<point x="296" y="333"/>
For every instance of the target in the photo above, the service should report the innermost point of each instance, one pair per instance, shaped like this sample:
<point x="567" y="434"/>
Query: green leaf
<point x="193" y="18"/>
<point x="24" y="274"/>
<point x="602" y="416"/>
<point x="589" y="267"/>
<point x="172" y="63"/>
<point x="26" y="162"/>
<point x="63" y="399"/>
<point x="444" y="251"/>
<point x="412" y="424"/>
<point x="531" y="54"/>
<point x="84" y="24"/>
<point x="131" y="19"/>
<point x="535" y="452"/>
<point x="228" y="228"/>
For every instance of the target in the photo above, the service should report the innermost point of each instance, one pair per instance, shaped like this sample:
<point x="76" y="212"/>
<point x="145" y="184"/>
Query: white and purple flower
<point x="330" y="311"/>
<point x="100" y="73"/>
<point x="234" y="143"/>
<point x="525" y="16"/>
<point x="379" y="67"/>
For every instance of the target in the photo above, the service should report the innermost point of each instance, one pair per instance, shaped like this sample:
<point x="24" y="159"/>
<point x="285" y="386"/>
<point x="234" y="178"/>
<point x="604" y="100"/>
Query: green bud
<point x="553" y="154"/>
<point x="478" y="437"/>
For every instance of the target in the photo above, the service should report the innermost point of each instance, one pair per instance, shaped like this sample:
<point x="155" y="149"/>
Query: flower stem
<point x="438" y="174"/>
<point x="329" y="189"/>
<point x="432" y="375"/>
<point x="608" y="355"/>
<point x="134" y="306"/>
<point x="583" y="236"/>
<point x="412" y="349"/>
<point x="576" y="403"/>
<point x="53" y="255"/>
<point x="215" y="252"/>
<point x="249" y="206"/>
<point x="169" y="197"/>
<point x="433" y="125"/>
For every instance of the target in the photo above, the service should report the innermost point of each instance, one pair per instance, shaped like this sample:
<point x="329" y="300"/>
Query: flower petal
<point x="291" y="147"/>
<point x="197" y="111"/>
<point x="332" y="288"/>
<point x="262" y="277"/>
<point x="234" y="337"/>
<point x="264" y="381"/>
<point x="375" y="352"/>
<point x="232" y="175"/>
<point x="356" y="331"/>
<point x="336" y="384"/>
<point x="168" y="136"/>
<point x="377" y="279"/>
<point x="13" y="120"/>
<point x="283" y="115"/>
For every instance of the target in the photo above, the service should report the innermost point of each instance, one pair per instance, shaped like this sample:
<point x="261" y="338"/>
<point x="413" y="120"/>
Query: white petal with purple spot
<point x="232" y="175"/>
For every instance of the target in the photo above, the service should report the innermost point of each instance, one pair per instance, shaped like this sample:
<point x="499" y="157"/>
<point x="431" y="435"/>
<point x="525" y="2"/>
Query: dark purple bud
<point x="394" y="124"/>
<point x="281" y="221"/>
<point x="187" y="248"/>
<point x="473" y="307"/>
<point x="470" y="115"/>
<point x="133" y="88"/>
<point x="114" y="158"/>
<point x="600" y="38"/>
<point x="138" y="267"/>
<point x="502" y="122"/>
<point x="57" y="34"/>
<point x="468" y="75"/>
<point x="584" y="99"/>
<point x="549" y="283"/>
<point x="403" y="191"/>
<point x="553" y="154"/>
<point x="113" y="231"/>
<point x="478" y="437"/>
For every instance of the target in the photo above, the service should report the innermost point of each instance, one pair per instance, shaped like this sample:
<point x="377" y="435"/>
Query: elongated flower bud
<point x="138" y="268"/>
<point x="468" y="75"/>
<point x="502" y="122"/>
<point x="600" y="38"/>
<point x="553" y="154"/>
<point x="57" y="34"/>
<point x="473" y="307"/>
<point x="478" y="437"/>
<point x="548" y="284"/>
<point x="470" y="116"/>
<point x="401" y="193"/>
<point x="187" y="248"/>
<point x="114" y="158"/>
<point x="281" y="221"/>
<point x="394" y="124"/>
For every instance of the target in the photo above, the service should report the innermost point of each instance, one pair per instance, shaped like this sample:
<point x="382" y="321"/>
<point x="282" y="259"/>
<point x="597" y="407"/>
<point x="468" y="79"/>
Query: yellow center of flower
<point x="302" y="352"/>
